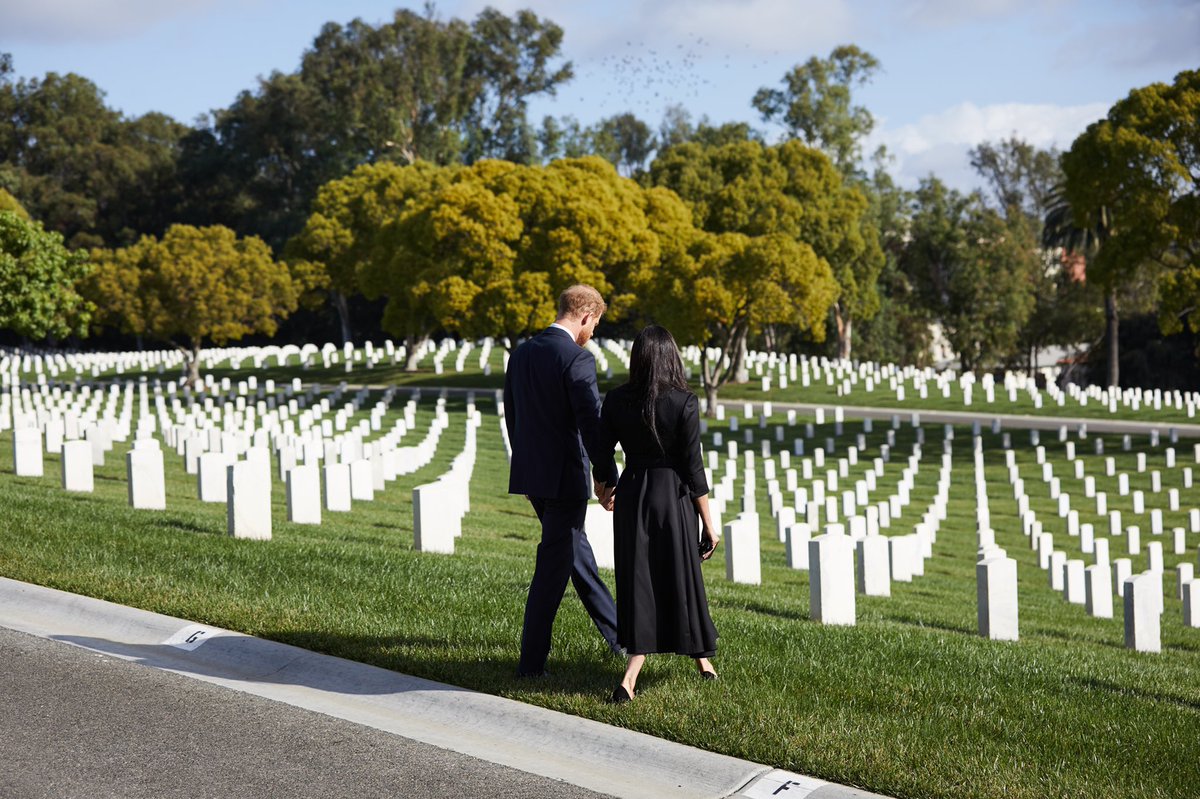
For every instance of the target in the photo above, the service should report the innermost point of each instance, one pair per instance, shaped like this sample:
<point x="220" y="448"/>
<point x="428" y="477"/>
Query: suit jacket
<point x="552" y="410"/>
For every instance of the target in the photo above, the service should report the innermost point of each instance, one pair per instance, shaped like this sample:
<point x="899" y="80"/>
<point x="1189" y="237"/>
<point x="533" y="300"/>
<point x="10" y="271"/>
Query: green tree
<point x="1140" y="166"/>
<point x="11" y="204"/>
<point x="38" y="276"/>
<point x="625" y="141"/>
<point x="1023" y="182"/>
<point x="1020" y="175"/>
<point x="413" y="88"/>
<point x="815" y="104"/>
<point x="791" y="189"/>
<point x="193" y="285"/>
<point x="726" y="287"/>
<point x="900" y="331"/>
<point x="341" y="236"/>
<point x="973" y="269"/>
<point x="82" y="168"/>
<point x="487" y="253"/>
<point x="512" y="59"/>
<point x="1060" y="231"/>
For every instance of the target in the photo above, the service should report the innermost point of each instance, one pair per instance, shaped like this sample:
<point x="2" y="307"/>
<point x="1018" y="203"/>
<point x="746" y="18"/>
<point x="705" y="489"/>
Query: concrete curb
<point x="579" y="751"/>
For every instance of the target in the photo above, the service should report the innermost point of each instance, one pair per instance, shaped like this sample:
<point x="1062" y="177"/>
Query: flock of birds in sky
<point x="647" y="80"/>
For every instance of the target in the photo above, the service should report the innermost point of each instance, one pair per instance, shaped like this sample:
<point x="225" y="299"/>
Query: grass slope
<point x="910" y="702"/>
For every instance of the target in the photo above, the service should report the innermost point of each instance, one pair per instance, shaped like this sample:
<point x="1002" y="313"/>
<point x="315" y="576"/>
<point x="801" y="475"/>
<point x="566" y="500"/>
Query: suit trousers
<point x="564" y="553"/>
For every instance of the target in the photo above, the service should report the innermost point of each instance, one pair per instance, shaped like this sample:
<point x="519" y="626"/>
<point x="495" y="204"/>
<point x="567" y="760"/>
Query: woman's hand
<point x="708" y="541"/>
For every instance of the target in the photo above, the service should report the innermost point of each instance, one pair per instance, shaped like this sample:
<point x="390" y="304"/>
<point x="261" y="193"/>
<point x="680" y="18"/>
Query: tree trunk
<point x="343" y="312"/>
<point x="1110" y="316"/>
<point x="709" y="378"/>
<point x="845" y="331"/>
<point x="412" y="345"/>
<point x="738" y="359"/>
<point x="193" y="364"/>
<point x="710" y="396"/>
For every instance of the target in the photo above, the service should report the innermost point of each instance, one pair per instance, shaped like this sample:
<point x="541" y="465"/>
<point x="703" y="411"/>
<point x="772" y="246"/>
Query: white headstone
<point x="743" y="564"/>
<point x="147" y="480"/>
<point x="433" y="529"/>
<point x="27" y="452"/>
<point x="831" y="579"/>
<point x="336" y="486"/>
<point x="872" y="567"/>
<point x="1142" y="613"/>
<point x="996" y="592"/>
<point x="1098" y="594"/>
<point x="77" y="474"/>
<point x="304" y="494"/>
<point x="599" y="527"/>
<point x="248" y="510"/>
<point x="798" y="536"/>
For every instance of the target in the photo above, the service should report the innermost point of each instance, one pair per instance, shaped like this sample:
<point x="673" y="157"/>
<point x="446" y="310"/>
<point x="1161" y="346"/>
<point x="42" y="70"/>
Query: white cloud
<point x="60" y="21"/>
<point x="939" y="142"/>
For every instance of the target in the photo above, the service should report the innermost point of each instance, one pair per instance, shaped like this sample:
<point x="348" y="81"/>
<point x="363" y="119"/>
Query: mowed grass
<point x="911" y="702"/>
<point x="817" y="393"/>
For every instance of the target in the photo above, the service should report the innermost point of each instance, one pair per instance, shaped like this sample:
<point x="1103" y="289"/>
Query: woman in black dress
<point x="661" y="522"/>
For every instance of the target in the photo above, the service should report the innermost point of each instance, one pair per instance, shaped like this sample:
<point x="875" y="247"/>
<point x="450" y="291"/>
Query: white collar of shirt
<point x="563" y="329"/>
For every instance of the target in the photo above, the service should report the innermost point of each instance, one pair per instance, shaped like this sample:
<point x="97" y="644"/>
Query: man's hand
<point x="604" y="493"/>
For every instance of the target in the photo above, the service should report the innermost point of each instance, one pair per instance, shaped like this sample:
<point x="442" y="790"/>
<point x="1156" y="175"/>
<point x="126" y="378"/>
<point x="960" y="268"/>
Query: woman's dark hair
<point x="654" y="368"/>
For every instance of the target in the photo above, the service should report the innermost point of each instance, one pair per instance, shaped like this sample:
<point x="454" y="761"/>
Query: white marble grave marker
<point x="248" y="510"/>
<point x="831" y="578"/>
<point x="147" y="480"/>
<point x="1142" y="613"/>
<point x="996" y="592"/>
<point x="872" y="567"/>
<point x="304" y="494"/>
<point x="1098" y="594"/>
<point x="77" y="469"/>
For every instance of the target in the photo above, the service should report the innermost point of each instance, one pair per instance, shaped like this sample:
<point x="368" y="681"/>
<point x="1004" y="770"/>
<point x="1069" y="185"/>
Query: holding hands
<point x="604" y="493"/>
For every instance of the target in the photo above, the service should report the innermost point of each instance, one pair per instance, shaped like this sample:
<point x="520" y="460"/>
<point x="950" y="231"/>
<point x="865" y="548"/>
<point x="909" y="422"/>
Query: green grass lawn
<point x="911" y="702"/>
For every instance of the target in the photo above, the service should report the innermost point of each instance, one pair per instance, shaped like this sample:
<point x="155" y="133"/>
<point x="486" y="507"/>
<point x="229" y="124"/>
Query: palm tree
<point x="1059" y="230"/>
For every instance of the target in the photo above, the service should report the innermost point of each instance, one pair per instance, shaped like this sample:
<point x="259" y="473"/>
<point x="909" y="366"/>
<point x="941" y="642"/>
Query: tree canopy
<point x="38" y="276"/>
<point x="193" y="285"/>
<point x="81" y="168"/>
<point x="789" y="189"/>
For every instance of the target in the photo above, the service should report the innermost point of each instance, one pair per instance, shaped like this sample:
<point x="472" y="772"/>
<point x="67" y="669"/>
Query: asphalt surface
<point x="78" y="723"/>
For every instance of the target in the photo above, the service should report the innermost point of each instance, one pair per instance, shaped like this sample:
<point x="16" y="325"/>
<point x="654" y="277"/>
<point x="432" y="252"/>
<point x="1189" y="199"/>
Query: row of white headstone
<point x="1092" y="585"/>
<point x="779" y="370"/>
<point x="244" y="485"/>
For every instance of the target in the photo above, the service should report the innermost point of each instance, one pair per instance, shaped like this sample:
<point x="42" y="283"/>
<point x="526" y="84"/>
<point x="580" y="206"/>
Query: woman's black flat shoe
<point x="708" y="675"/>
<point x="619" y="696"/>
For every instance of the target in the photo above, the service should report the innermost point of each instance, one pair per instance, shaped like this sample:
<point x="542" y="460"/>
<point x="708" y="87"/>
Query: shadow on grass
<point x="192" y="527"/>
<point x="1094" y="684"/>
<point x="426" y="657"/>
<point x="926" y="624"/>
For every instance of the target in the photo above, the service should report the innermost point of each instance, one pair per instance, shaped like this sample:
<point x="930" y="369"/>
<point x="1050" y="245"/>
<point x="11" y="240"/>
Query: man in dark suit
<point x="552" y="411"/>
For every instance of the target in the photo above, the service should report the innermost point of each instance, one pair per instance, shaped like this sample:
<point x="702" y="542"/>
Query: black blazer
<point x="677" y="421"/>
<point x="552" y="411"/>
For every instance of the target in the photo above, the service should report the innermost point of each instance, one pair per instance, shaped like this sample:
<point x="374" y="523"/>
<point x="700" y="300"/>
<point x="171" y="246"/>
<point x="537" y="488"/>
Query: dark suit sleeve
<point x="693" y="459"/>
<point x="509" y="407"/>
<point x="585" y="404"/>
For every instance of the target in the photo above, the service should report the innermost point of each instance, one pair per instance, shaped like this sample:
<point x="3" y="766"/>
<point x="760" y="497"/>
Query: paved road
<point x="1009" y="421"/>
<point x="81" y="724"/>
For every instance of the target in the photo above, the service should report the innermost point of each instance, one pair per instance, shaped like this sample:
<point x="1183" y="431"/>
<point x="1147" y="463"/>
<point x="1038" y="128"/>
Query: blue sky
<point x="954" y="72"/>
